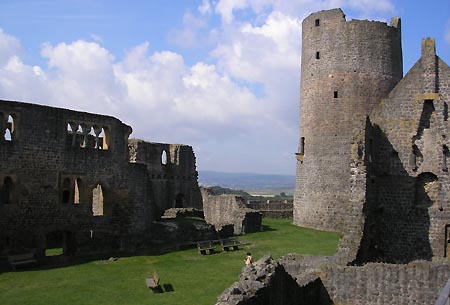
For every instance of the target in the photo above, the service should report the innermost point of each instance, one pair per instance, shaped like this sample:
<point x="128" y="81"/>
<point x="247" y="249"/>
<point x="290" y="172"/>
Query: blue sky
<point x="222" y="75"/>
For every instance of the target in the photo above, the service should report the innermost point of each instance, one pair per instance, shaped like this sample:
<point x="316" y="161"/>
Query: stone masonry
<point x="372" y="164"/>
<point x="75" y="178"/>
<point x="228" y="209"/>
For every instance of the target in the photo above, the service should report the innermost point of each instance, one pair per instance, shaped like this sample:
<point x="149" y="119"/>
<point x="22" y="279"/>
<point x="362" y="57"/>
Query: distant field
<point x="195" y="279"/>
<point x="270" y="191"/>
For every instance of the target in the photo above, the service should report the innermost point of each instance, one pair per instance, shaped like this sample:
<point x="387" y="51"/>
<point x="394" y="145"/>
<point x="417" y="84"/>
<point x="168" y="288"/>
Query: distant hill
<point x="248" y="181"/>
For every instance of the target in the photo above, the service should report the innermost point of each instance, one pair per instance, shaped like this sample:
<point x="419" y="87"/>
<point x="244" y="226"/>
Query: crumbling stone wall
<point x="67" y="175"/>
<point x="296" y="279"/>
<point x="385" y="186"/>
<point x="272" y="209"/>
<point x="172" y="172"/>
<point x="408" y="210"/>
<point x="267" y="282"/>
<point x="229" y="209"/>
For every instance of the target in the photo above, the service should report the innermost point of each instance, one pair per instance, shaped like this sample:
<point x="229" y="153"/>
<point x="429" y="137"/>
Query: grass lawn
<point x="195" y="279"/>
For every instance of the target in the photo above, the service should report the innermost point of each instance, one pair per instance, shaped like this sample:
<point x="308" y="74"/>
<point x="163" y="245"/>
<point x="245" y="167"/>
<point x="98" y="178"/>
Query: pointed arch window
<point x="9" y="130"/>
<point x="164" y="157"/>
<point x="97" y="200"/>
<point x="76" y="191"/>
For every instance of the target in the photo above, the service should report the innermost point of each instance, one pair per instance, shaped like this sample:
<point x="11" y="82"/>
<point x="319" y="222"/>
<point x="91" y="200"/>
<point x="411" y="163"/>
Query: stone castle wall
<point x="228" y="209"/>
<point x="174" y="183"/>
<point x="68" y="174"/>
<point x="272" y="209"/>
<point x="383" y="183"/>
<point x="347" y="68"/>
<point x="407" y="215"/>
<point x="296" y="280"/>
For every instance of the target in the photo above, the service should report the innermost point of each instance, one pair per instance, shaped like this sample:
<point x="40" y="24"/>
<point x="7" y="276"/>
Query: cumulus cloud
<point x="240" y="99"/>
<point x="9" y="46"/>
<point x="161" y="96"/>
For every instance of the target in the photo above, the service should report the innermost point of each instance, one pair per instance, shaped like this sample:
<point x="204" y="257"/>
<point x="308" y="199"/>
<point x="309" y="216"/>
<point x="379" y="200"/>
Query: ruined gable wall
<point x="347" y="68"/>
<point x="226" y="209"/>
<point x="41" y="155"/>
<point x="407" y="216"/>
<point x="173" y="184"/>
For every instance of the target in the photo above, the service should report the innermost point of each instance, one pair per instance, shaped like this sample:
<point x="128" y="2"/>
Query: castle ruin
<point x="75" y="179"/>
<point x="372" y="164"/>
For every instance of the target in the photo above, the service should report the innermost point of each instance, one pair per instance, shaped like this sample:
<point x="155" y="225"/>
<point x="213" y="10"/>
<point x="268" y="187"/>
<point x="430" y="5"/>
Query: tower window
<point x="164" y="158"/>
<point x="317" y="22"/>
<point x="335" y="94"/>
<point x="317" y="55"/>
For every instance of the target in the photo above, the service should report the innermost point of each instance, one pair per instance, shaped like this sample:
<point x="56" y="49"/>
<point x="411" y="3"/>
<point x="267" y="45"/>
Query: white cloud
<point x="205" y="7"/>
<point x="9" y="46"/>
<point x="242" y="98"/>
<point x="193" y="34"/>
<point x="300" y="8"/>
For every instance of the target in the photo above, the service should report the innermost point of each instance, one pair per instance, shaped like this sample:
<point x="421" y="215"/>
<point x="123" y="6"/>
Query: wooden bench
<point x="21" y="259"/>
<point x="230" y="243"/>
<point x="205" y="247"/>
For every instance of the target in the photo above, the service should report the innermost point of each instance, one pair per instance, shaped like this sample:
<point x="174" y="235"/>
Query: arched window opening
<point x="69" y="128"/>
<point x="97" y="201"/>
<point x="89" y="138"/>
<point x="8" y="135"/>
<point x="66" y="190"/>
<point x="104" y="135"/>
<point x="7" y="189"/>
<point x="426" y="190"/>
<point x="10" y="123"/>
<point x="54" y="242"/>
<point x="76" y="191"/>
<point x="164" y="157"/>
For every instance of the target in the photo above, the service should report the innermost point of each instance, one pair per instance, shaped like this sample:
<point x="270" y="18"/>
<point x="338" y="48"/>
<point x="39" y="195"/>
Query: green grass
<point x="195" y="279"/>
<point x="54" y="251"/>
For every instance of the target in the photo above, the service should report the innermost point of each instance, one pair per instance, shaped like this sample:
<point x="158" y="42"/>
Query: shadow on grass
<point x="62" y="261"/>
<point x="163" y="288"/>
<point x="266" y="228"/>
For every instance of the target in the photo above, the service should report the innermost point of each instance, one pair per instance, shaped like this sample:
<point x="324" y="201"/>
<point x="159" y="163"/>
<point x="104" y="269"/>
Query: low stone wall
<point x="182" y="212"/>
<point x="374" y="283"/>
<point x="272" y="209"/>
<point x="182" y="231"/>
<point x="297" y="279"/>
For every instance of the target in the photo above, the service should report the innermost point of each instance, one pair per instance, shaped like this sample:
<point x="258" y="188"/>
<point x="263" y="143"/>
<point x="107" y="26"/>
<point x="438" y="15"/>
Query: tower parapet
<point x="348" y="67"/>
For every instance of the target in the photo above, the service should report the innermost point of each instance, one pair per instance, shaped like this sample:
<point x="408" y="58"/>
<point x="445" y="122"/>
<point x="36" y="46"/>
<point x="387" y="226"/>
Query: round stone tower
<point x="348" y="67"/>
